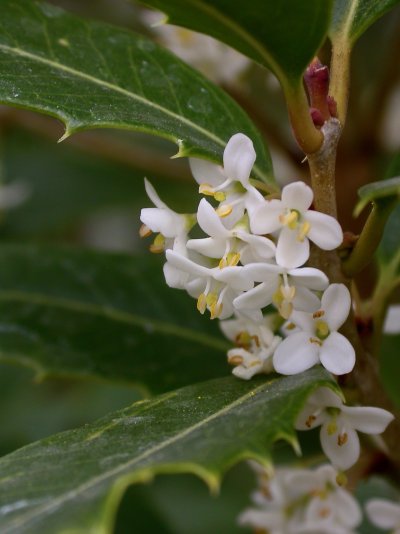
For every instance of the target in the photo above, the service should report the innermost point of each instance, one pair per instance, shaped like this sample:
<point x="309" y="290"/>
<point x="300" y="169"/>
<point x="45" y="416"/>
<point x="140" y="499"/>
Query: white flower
<point x="300" y="501"/>
<point x="392" y="320"/>
<point x="228" y="245"/>
<point x="318" y="341"/>
<point x="230" y="184"/>
<point x="172" y="227"/>
<point x="297" y="224"/>
<point x="214" y="59"/>
<point x="213" y="287"/>
<point x="287" y="289"/>
<point x="255" y="345"/>
<point x="384" y="514"/>
<point x="339" y="425"/>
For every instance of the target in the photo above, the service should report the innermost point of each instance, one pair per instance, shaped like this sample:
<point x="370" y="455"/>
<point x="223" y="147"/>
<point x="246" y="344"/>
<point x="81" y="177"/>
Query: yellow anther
<point x="144" y="231"/>
<point x="290" y="326"/>
<point x="290" y="219"/>
<point x="288" y="292"/>
<point x="342" y="439"/>
<point x="206" y="189"/>
<point x="224" y="210"/>
<point x="235" y="359"/>
<point x="222" y="263"/>
<point x="211" y="299"/>
<point x="215" y="310"/>
<point x="285" y="309"/>
<point x="331" y="428"/>
<point x="256" y="340"/>
<point x="202" y="303"/>
<point x="158" y="244"/>
<point x="315" y="340"/>
<point x="219" y="196"/>
<point x="341" y="479"/>
<point x="243" y="339"/>
<point x="322" y="330"/>
<point x="310" y="420"/>
<point x="303" y="231"/>
<point x="319" y="313"/>
<point x="254" y="363"/>
<point x="233" y="259"/>
<point x="324" y="512"/>
<point x="277" y="297"/>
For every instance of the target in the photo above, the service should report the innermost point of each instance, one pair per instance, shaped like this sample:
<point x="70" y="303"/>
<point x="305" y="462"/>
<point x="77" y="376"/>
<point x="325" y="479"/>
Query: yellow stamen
<point x="206" y="189"/>
<point x="158" y="244"/>
<point x="303" y="231"/>
<point x="233" y="259"/>
<point x="315" y="340"/>
<point x="285" y="309"/>
<point x="322" y="330"/>
<point x="341" y="479"/>
<point x="144" y="231"/>
<point x="202" y="303"/>
<point x="254" y="363"/>
<point x="235" y="359"/>
<point x="224" y="211"/>
<point x="319" y="313"/>
<point x="290" y="326"/>
<point x="331" y="428"/>
<point x="219" y="196"/>
<point x="310" y="421"/>
<point x="342" y="439"/>
<point x="256" y="340"/>
<point x="215" y="310"/>
<point x="243" y="339"/>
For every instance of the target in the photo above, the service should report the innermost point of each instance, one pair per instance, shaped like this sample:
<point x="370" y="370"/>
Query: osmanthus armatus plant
<point x="302" y="326"/>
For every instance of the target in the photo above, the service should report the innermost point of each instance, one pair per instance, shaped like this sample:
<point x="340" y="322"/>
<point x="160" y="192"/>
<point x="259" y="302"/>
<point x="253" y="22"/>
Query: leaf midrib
<point x="241" y="32"/>
<point x="125" y="92"/>
<point x="123" y="467"/>
<point x="114" y="314"/>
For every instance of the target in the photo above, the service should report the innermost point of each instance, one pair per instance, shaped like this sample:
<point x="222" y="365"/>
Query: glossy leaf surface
<point x="92" y="75"/>
<point x="96" y="315"/>
<point x="283" y="35"/>
<point x="77" y="478"/>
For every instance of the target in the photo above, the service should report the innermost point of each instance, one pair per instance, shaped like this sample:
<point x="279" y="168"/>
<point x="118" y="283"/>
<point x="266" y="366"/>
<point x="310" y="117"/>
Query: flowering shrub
<point x="293" y="330"/>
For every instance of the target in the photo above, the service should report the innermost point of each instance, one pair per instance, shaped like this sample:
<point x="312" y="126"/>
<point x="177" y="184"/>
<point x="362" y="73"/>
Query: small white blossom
<point x="255" y="345"/>
<point x="228" y="245"/>
<point x="392" y="320"/>
<point x="214" y="59"/>
<point x="297" y="224"/>
<point x="318" y="340"/>
<point x="213" y="287"/>
<point x="339" y="425"/>
<point x="172" y="227"/>
<point x="230" y="184"/>
<point x="300" y="501"/>
<point x="384" y="514"/>
<point x="287" y="289"/>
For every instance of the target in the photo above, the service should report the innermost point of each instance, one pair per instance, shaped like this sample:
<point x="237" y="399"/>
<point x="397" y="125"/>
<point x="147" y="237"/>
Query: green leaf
<point x="382" y="192"/>
<point x="77" y="478"/>
<point x="92" y="75"/>
<point x="283" y="35"/>
<point x="351" y="18"/>
<point x="96" y="315"/>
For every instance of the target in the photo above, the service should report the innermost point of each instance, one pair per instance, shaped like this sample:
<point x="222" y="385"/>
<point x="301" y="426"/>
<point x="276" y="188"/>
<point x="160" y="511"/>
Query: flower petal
<point x="163" y="221"/>
<point x="325" y="231"/>
<point x="205" y="172"/>
<point x="347" y="507"/>
<point x="258" y="297"/>
<point x="304" y="321"/>
<point x="186" y="265"/>
<point x="336" y="302"/>
<point x="264" y="272"/>
<point x="175" y="277"/>
<point x="297" y="196"/>
<point x="235" y="277"/>
<point x="382" y="513"/>
<point x="369" y="420"/>
<point x="392" y="321"/>
<point x="345" y="455"/>
<point x="265" y="218"/>
<point x="305" y="300"/>
<point x="153" y="195"/>
<point x="295" y="354"/>
<point x="262" y="246"/>
<point x="337" y="354"/>
<point x="209" y="221"/>
<point x="213" y="248"/>
<point x="309" y="277"/>
<point x="290" y="252"/>
<point x="239" y="158"/>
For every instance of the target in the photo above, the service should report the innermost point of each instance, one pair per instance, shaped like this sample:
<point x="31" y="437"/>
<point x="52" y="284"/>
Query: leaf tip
<point x="65" y="136"/>
<point x="182" y="152"/>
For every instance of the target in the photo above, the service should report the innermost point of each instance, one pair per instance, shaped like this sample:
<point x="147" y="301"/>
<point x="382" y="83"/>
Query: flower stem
<point x="340" y="76"/>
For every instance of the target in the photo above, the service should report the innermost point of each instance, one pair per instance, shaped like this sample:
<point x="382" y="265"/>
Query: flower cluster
<point x="302" y="501"/>
<point x="248" y="270"/>
<point x="252" y="256"/>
